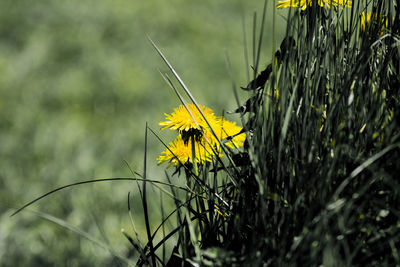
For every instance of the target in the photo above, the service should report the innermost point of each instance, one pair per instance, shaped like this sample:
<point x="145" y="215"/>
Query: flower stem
<point x="195" y="170"/>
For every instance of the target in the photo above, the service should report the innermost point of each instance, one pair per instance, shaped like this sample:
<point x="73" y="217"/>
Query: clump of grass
<point x="316" y="181"/>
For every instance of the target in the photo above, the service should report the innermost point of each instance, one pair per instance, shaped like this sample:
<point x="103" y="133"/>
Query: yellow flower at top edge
<point x="305" y="3"/>
<point x="366" y="20"/>
<point x="180" y="153"/>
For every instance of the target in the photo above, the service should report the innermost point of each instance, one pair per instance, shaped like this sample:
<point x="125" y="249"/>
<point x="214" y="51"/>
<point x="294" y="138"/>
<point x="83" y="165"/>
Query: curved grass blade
<point x="362" y="167"/>
<point x="94" y="181"/>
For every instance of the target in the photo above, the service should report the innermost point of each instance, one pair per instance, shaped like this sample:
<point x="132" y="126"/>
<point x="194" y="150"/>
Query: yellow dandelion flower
<point x="182" y="120"/>
<point x="226" y="131"/>
<point x="180" y="153"/>
<point x="305" y="3"/>
<point x="206" y="144"/>
<point x="190" y="125"/>
<point x="230" y="133"/>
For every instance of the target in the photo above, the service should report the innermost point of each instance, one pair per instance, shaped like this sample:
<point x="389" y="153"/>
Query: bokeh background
<point x="78" y="82"/>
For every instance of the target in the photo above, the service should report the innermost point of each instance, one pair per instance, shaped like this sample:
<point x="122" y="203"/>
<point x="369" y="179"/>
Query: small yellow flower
<point x="305" y="3"/>
<point x="180" y="153"/>
<point x="366" y="21"/>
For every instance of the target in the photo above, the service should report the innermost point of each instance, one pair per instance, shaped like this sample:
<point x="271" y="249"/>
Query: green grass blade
<point x="144" y="202"/>
<point x="83" y="234"/>
<point x="94" y="181"/>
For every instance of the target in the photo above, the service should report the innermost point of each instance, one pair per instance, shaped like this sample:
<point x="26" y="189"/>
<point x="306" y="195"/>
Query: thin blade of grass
<point x="362" y="167"/>
<point x="81" y="233"/>
<point x="136" y="246"/>
<point x="163" y="225"/>
<point x="197" y="106"/>
<point x="260" y="38"/>
<point x="94" y="181"/>
<point x="245" y="49"/>
<point x="130" y="212"/>
<point x="144" y="202"/>
<point x="193" y="236"/>
<point x="196" y="177"/>
<point x="133" y="173"/>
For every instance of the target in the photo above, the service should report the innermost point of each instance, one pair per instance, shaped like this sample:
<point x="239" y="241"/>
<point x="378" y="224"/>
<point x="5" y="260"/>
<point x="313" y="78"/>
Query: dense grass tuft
<point x="317" y="182"/>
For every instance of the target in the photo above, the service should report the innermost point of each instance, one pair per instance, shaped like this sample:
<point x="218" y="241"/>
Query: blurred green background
<point x="78" y="81"/>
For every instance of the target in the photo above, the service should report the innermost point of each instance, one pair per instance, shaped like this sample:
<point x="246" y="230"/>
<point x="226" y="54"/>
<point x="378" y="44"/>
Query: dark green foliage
<point x="318" y="178"/>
